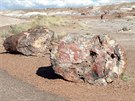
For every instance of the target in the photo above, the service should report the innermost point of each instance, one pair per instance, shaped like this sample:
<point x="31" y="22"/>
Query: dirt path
<point x="4" y="21"/>
<point x="35" y="70"/>
<point x="11" y="89"/>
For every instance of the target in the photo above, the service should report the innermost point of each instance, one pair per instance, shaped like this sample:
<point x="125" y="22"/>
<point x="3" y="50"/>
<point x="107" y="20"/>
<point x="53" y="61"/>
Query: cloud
<point x="16" y="4"/>
<point x="103" y="2"/>
<point x="22" y="4"/>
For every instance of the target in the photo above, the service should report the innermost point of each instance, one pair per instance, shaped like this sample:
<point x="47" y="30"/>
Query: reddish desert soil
<point x="25" y="68"/>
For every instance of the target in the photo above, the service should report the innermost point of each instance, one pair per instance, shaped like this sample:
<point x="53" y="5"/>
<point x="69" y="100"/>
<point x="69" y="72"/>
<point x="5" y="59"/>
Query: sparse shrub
<point x="48" y="21"/>
<point x="20" y="28"/>
<point x="125" y="77"/>
<point x="4" y="34"/>
<point x="14" y="29"/>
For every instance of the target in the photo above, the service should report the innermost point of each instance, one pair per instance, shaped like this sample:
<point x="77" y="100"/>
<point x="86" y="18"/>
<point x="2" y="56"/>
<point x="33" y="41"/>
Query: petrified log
<point x="35" y="41"/>
<point x="95" y="59"/>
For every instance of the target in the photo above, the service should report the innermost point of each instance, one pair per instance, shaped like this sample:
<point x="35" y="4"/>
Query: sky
<point x="40" y="4"/>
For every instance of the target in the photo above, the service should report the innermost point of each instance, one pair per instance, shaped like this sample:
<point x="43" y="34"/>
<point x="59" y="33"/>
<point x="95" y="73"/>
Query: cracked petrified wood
<point x="35" y="41"/>
<point x="95" y="59"/>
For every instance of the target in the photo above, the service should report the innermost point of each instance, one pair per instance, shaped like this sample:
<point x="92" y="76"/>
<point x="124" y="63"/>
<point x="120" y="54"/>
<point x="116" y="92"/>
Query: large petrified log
<point x="95" y="59"/>
<point x="35" y="41"/>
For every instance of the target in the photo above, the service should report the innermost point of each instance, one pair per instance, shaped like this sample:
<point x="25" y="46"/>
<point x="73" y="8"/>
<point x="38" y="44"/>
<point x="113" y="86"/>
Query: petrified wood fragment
<point x="95" y="59"/>
<point x="35" y="41"/>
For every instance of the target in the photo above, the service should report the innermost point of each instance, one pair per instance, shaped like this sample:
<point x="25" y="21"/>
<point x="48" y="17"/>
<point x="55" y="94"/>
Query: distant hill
<point x="117" y="6"/>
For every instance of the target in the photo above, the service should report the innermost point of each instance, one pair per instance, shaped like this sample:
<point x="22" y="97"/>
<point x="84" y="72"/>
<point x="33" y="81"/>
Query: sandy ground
<point x="36" y="70"/>
<point x="9" y="21"/>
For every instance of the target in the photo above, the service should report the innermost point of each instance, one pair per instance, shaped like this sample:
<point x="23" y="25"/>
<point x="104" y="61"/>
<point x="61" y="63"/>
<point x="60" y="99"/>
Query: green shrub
<point x="125" y="77"/>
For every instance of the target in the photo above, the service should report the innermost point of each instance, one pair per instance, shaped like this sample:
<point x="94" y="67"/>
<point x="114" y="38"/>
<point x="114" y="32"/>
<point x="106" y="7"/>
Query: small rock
<point x="125" y="29"/>
<point x="109" y="80"/>
<point x="100" y="82"/>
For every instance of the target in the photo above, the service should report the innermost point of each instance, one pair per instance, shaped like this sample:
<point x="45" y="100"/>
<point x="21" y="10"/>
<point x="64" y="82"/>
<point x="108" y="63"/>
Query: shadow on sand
<point x="48" y="72"/>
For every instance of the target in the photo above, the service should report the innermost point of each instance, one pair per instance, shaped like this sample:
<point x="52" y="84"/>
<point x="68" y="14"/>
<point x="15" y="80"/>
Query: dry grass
<point x="4" y="33"/>
<point x="20" y="28"/>
<point x="51" y="22"/>
<point x="47" y="21"/>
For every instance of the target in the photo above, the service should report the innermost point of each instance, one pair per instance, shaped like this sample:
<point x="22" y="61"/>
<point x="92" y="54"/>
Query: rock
<point x="95" y="59"/>
<point x="125" y="29"/>
<point x="35" y="41"/>
<point x="102" y="16"/>
<point x="83" y="13"/>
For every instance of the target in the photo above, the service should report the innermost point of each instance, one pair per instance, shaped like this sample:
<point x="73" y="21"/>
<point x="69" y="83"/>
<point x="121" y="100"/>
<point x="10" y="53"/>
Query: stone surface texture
<point x="95" y="59"/>
<point x="35" y="41"/>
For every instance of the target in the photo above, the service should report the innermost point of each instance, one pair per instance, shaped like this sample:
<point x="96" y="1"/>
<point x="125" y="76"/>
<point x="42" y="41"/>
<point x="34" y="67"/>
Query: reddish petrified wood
<point x="96" y="59"/>
<point x="32" y="42"/>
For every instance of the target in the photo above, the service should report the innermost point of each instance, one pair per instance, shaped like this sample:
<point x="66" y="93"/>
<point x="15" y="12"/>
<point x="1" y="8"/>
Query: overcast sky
<point x="25" y="4"/>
